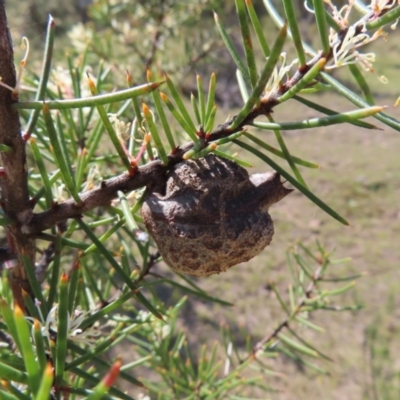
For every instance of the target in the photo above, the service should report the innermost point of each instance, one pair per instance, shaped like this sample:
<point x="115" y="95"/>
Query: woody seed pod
<point x="212" y="215"/>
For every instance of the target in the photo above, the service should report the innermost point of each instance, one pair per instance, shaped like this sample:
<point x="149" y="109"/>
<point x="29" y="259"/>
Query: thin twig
<point x="150" y="174"/>
<point x="151" y="262"/>
<point x="285" y="323"/>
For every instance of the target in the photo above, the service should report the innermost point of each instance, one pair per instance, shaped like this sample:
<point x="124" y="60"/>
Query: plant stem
<point x="14" y="184"/>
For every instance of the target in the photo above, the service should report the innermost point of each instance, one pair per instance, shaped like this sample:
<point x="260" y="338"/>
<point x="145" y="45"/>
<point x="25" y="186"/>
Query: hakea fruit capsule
<point x="211" y="215"/>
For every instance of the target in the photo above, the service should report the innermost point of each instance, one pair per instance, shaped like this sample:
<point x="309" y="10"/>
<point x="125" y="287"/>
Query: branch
<point x="285" y="323"/>
<point x="150" y="174"/>
<point x="14" y="184"/>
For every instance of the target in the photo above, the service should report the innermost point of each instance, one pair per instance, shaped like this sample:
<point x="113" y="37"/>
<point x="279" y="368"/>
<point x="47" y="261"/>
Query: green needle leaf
<point x="319" y="10"/>
<point x="8" y="396"/>
<point x="294" y="28"/>
<point x="164" y="121"/>
<point x="210" y="119"/>
<point x="195" y="108"/>
<point x="202" y="102"/>
<point x="211" y="95"/>
<point x="73" y="284"/>
<point x="161" y="114"/>
<point x="264" y="77"/>
<point x="47" y="57"/>
<point x="362" y="83"/>
<point x="118" y="269"/>
<point x="55" y="273"/>
<point x="24" y="337"/>
<point x="128" y="377"/>
<point x="179" y="103"/>
<point x="107" y="382"/>
<point x="278" y="153"/>
<point x="388" y="18"/>
<point x="154" y="133"/>
<point x="229" y="138"/>
<point x="231" y="48"/>
<point x="293" y="181"/>
<point x="93" y="101"/>
<point x="8" y="318"/>
<point x="45" y="384"/>
<point x="35" y="285"/>
<point x="247" y="43"/>
<point x="304" y="81"/>
<point x="287" y="155"/>
<point x="358" y="101"/>
<point x="110" y="130"/>
<point x="242" y="86"/>
<point x="106" y="310"/>
<point x="88" y="356"/>
<point x="335" y="292"/>
<point x="133" y="226"/>
<point x="87" y="377"/>
<point x="12" y="374"/>
<point x="182" y="122"/>
<point x="62" y="329"/>
<point x="232" y="158"/>
<point x="257" y="27"/>
<point x="297" y="346"/>
<point x="328" y="111"/>
<point x="39" y="343"/>
<point x="37" y="155"/>
<point x="339" y="118"/>
<point x="279" y="22"/>
<point x="197" y="293"/>
<point x="60" y="154"/>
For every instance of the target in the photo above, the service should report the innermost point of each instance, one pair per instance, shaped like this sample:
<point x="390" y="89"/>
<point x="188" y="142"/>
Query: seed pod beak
<point x="270" y="188"/>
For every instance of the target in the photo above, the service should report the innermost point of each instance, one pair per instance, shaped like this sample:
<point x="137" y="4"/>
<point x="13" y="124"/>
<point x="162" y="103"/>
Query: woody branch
<point x="14" y="183"/>
<point x="146" y="175"/>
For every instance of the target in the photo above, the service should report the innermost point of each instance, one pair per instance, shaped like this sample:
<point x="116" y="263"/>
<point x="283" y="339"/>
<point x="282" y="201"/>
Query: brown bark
<point x="14" y="183"/>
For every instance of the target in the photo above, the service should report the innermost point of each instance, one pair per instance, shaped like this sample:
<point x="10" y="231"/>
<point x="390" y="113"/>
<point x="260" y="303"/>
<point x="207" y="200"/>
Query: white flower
<point x="278" y="74"/>
<point x="341" y="16"/>
<point x="122" y="129"/>
<point x="93" y="176"/>
<point x="74" y="332"/>
<point x="345" y="49"/>
<point x="59" y="194"/>
<point x="377" y="6"/>
<point x="158" y="329"/>
<point x="61" y="81"/>
<point x="394" y="25"/>
<point x="80" y="37"/>
<point x="351" y="41"/>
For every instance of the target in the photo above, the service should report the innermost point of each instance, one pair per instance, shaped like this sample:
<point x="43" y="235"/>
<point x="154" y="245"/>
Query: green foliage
<point x="156" y="340"/>
<point x="143" y="34"/>
<point x="97" y="291"/>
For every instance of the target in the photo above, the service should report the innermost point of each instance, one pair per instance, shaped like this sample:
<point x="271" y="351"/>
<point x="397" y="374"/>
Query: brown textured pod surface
<point x="213" y="215"/>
